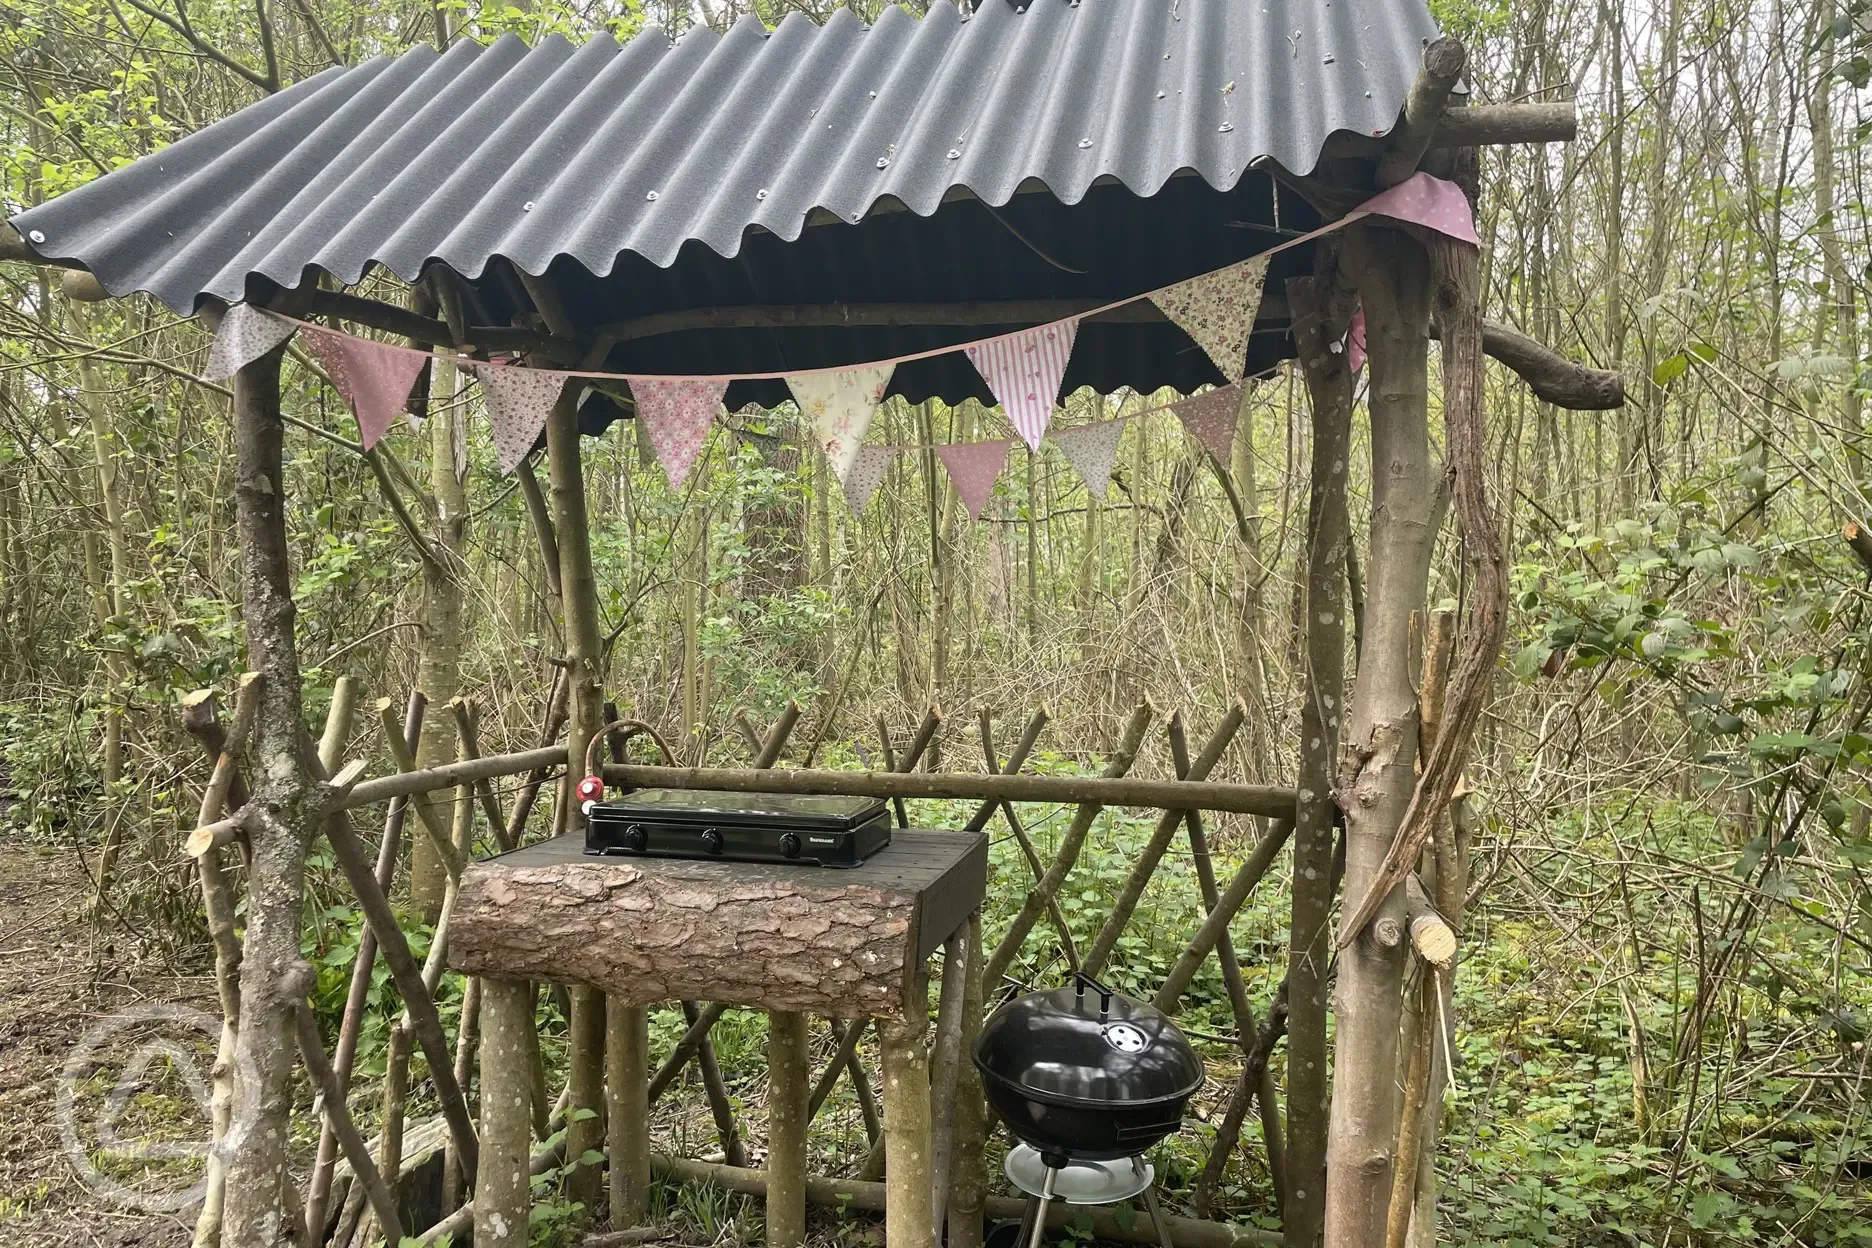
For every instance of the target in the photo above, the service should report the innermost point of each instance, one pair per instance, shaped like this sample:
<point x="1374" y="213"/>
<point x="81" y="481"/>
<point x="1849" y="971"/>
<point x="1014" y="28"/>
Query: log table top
<point x="838" y="942"/>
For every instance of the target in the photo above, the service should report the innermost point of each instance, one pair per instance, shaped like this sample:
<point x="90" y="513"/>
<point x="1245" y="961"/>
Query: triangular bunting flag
<point x="1355" y="341"/>
<point x="374" y="378"/>
<point x="865" y="475"/>
<point x="838" y="408"/>
<point x="1211" y="418"/>
<point x="1092" y="450"/>
<point x="1218" y="310"/>
<point x="974" y="466"/>
<point x="1430" y="202"/>
<point x="677" y="413"/>
<point x="246" y="334"/>
<point x="518" y="401"/>
<point x="1024" y="371"/>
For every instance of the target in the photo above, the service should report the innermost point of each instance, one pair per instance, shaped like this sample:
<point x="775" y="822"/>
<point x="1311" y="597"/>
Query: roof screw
<point x="37" y="236"/>
<point x="1085" y="142"/>
<point x="1328" y="60"/>
<point x="883" y="162"/>
<point x="955" y="153"/>
<point x="1160" y="95"/>
<point x="1225" y="127"/>
<point x="761" y="194"/>
<point x="651" y="196"/>
<point x="527" y="207"/>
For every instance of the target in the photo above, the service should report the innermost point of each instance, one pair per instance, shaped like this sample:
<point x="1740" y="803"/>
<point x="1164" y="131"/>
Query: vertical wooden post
<point x="1378" y="775"/>
<point x="907" y="1122"/>
<point x="627" y="1106"/>
<point x="968" y="1178"/>
<point x="1319" y="314"/>
<point x="502" y="1181"/>
<point x="584" y="644"/>
<point x="787" y="1073"/>
<point x="266" y="1041"/>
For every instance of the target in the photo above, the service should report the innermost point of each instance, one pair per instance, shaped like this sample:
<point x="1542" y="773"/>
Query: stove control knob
<point x="636" y="839"/>
<point x="711" y="840"/>
<point x="790" y="844"/>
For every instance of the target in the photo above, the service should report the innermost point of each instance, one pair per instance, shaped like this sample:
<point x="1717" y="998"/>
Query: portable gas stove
<point x="797" y="828"/>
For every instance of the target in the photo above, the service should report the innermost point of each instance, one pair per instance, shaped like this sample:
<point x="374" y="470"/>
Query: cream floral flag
<point x="838" y="408"/>
<point x="1218" y="310"/>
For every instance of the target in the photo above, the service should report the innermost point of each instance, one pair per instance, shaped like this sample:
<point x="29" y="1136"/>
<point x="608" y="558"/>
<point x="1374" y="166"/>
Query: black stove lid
<point x="1084" y="1045"/>
<point x="807" y="810"/>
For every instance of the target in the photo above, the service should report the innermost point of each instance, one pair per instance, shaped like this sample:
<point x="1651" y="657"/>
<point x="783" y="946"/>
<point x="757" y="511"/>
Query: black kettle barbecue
<point x="1084" y="1072"/>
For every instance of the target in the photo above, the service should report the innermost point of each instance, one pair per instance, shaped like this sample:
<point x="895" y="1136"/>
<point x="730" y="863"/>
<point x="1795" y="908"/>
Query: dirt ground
<point x="138" y="1051"/>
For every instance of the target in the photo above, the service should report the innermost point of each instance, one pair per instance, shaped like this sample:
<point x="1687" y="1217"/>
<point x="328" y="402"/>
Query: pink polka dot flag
<point x="374" y="379"/>
<point x="677" y="413"/>
<point x="1430" y="202"/>
<point x="974" y="466"/>
<point x="1024" y="371"/>
<point x="1211" y="418"/>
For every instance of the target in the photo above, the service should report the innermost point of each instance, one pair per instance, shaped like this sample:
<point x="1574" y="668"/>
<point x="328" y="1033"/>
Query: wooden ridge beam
<point x="1246" y="799"/>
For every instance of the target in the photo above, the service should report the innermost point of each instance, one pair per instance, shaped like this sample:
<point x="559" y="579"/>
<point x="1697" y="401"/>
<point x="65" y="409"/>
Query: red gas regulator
<point x="591" y="789"/>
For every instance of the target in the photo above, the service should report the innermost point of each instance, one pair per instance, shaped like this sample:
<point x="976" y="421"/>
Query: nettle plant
<point x="1778" y="708"/>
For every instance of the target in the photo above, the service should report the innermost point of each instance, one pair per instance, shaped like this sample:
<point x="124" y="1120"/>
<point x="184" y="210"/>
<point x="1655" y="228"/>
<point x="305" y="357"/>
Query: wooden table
<point x="846" y="943"/>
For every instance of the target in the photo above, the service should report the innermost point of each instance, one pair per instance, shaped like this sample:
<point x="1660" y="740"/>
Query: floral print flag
<point x="838" y="408"/>
<point x="974" y="466"/>
<point x="518" y="401"/>
<point x="1092" y="450"/>
<point x="865" y="475"/>
<point x="373" y="377"/>
<point x="1024" y="371"/>
<point x="246" y="334"/>
<point x="1211" y="418"/>
<point x="677" y="413"/>
<point x="1218" y="311"/>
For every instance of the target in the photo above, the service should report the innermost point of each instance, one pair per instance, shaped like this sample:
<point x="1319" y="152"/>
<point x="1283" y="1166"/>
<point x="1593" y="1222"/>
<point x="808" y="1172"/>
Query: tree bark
<point x="1376" y="776"/>
<point x="502" y="1183"/>
<point x="584" y="651"/>
<point x="787" y="1074"/>
<point x="907" y="1122"/>
<point x="1320" y="314"/>
<point x="254" y="1149"/>
<point x="627" y="1105"/>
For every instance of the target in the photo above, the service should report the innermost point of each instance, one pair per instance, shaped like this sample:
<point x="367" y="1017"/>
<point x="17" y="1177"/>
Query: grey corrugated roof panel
<point x="597" y="152"/>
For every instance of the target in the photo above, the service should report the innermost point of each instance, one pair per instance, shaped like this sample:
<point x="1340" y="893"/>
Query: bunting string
<point x="1023" y="369"/>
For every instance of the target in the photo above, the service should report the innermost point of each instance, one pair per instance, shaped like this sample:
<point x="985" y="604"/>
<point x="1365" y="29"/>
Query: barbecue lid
<point x="822" y="811"/>
<point x="1086" y="1046"/>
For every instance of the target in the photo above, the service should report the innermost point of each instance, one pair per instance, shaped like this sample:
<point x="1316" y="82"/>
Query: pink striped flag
<point x="973" y="466"/>
<point x="374" y="378"/>
<point x="1024" y="371"/>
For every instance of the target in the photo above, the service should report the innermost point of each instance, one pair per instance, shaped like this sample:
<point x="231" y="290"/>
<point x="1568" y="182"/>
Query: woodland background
<point x="1667" y="986"/>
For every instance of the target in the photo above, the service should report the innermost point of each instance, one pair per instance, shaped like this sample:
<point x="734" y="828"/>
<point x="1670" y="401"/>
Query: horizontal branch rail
<point x="410" y="783"/>
<point x="1245" y="799"/>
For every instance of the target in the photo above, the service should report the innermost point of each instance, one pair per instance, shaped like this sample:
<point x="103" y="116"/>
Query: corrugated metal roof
<point x="715" y="168"/>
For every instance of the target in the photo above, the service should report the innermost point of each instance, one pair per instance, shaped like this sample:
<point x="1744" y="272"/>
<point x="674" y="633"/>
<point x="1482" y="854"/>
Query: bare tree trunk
<point x="1376" y="777"/>
<point x="1318" y="316"/>
<point x="502" y="1184"/>
<point x="255" y="1146"/>
<point x="584" y="644"/>
<point x="438" y="675"/>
